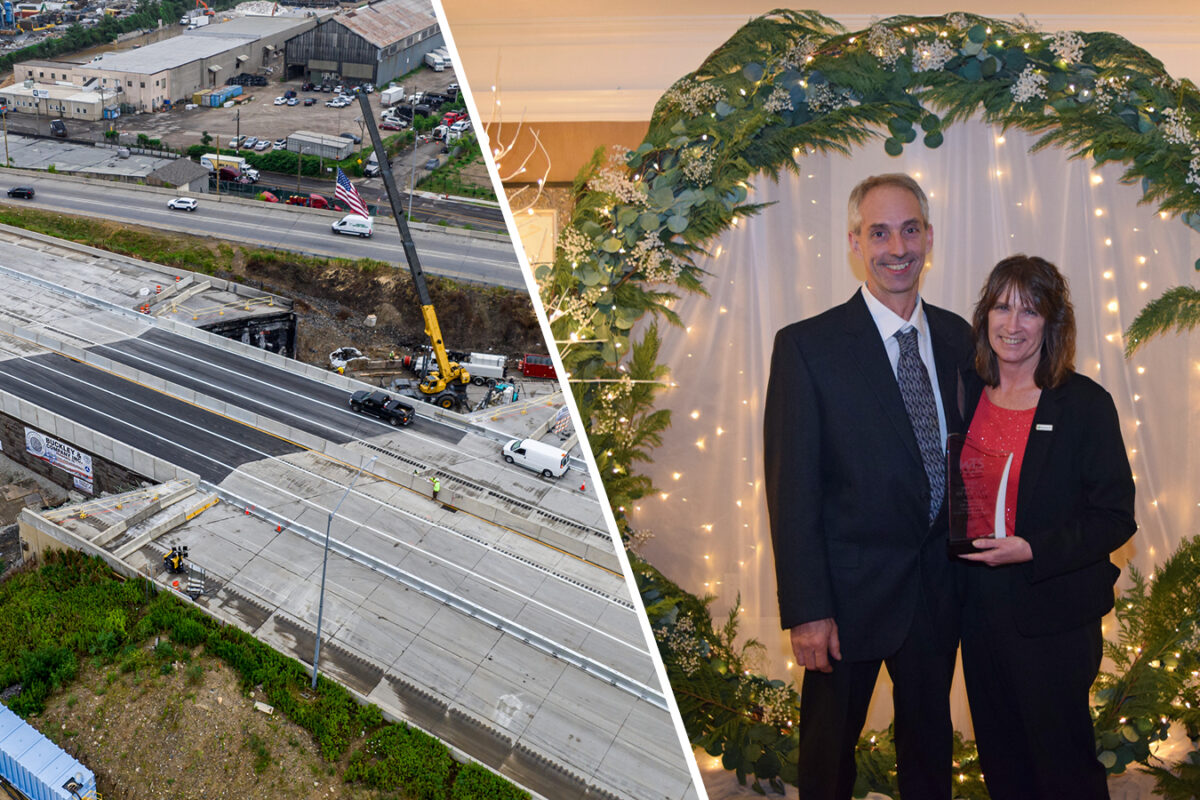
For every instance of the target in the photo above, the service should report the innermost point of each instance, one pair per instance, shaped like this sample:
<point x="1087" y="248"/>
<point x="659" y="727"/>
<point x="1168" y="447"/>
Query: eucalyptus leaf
<point x="1057" y="81"/>
<point x="934" y="139"/>
<point x="908" y="137"/>
<point x="626" y="216"/>
<point x="644" y="148"/>
<point x="591" y="229"/>
<point x="1015" y="59"/>
<point x="753" y="72"/>
<point x="971" y="71"/>
<point x="677" y="224"/>
<point x="893" y="147"/>
<point x="611" y="245"/>
<point x="662" y="196"/>
<point x="899" y="125"/>
<point x="1145" y="124"/>
<point x="723" y="109"/>
<point x="648" y="221"/>
<point x="589" y="275"/>
<point x="990" y="67"/>
<point x="977" y="34"/>
<point x="679" y="141"/>
<point x="931" y="123"/>
<point x="1108" y="758"/>
<point x="679" y="127"/>
<point x="972" y="48"/>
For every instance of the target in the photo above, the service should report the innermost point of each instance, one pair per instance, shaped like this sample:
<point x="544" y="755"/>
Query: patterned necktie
<point x="917" y="392"/>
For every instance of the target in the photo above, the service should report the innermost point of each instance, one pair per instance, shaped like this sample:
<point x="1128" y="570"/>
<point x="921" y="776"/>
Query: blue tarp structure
<point x="37" y="766"/>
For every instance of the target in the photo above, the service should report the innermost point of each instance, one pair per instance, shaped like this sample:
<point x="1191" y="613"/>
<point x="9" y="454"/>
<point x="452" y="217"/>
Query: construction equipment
<point x="208" y="12"/>
<point x="175" y="559"/>
<point x="445" y="386"/>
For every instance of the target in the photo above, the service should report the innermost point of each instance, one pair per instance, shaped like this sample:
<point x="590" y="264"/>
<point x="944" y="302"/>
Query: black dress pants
<point x="1029" y="699"/>
<point x="833" y="710"/>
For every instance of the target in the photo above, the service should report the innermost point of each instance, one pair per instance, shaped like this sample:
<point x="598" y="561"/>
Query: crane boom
<point x="449" y="373"/>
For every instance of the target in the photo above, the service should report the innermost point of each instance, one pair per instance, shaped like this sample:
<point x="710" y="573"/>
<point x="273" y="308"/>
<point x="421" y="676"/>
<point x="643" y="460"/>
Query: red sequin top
<point x="996" y="432"/>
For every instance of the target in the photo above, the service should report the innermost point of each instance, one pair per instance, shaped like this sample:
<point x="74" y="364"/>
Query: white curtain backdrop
<point x="989" y="199"/>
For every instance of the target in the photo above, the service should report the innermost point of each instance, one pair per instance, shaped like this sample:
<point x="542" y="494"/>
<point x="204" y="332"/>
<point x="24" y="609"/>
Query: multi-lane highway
<point x="542" y="650"/>
<point x="460" y="255"/>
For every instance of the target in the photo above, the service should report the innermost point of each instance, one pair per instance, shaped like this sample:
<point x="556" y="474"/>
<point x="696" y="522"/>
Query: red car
<point x="390" y="126"/>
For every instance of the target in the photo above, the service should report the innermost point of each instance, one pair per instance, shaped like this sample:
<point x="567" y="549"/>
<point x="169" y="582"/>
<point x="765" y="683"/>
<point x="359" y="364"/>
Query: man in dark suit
<point x="855" y="428"/>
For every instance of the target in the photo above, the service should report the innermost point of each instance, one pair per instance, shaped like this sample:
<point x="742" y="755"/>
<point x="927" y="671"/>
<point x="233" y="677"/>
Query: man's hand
<point x="814" y="643"/>
<point x="994" y="552"/>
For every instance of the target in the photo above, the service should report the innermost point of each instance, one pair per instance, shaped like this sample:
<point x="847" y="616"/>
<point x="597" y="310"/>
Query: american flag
<point x="346" y="192"/>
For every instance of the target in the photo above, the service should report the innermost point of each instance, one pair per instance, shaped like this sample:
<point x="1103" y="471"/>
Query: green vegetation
<point x="447" y="178"/>
<point x="75" y="608"/>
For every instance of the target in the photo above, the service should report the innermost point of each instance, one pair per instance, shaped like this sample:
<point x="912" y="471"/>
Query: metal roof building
<point x="143" y="79"/>
<point x="375" y="43"/>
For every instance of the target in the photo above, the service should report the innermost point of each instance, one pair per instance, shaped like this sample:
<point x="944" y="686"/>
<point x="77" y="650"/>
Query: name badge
<point x="1044" y="427"/>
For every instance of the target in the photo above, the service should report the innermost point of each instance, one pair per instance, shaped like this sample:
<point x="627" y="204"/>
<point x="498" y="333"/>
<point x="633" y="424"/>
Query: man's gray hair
<point x="898" y="179"/>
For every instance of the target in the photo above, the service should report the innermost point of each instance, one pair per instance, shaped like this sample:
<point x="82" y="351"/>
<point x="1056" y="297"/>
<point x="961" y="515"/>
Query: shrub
<point x="474" y="782"/>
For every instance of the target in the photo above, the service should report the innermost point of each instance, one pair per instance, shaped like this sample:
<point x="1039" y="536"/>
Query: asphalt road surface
<point x="461" y="257"/>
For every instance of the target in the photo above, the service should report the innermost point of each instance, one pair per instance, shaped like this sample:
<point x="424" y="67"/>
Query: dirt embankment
<point x="334" y="300"/>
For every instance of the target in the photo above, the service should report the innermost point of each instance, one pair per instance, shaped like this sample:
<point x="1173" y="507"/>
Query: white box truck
<point x="212" y="161"/>
<point x="435" y="61"/>
<point x="391" y="95"/>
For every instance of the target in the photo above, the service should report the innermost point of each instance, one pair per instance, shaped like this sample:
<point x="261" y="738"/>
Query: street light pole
<point x="324" y="565"/>
<point x="299" y="162"/>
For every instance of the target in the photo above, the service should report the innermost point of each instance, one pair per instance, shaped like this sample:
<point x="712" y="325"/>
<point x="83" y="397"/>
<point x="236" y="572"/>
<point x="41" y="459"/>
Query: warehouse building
<point x="164" y="73"/>
<point x="374" y="43"/>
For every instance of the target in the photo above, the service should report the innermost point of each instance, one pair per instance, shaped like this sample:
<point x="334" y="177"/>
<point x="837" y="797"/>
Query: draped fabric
<point x="989" y="198"/>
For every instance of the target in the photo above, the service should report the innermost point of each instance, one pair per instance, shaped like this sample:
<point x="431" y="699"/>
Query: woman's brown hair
<point x="1040" y="285"/>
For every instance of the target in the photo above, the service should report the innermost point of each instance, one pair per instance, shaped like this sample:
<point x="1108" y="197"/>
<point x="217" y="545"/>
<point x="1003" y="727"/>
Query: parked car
<point x="352" y="137"/>
<point x="368" y="87"/>
<point x="280" y="144"/>
<point x="310" y="101"/>
<point x="280" y="101"/>
<point x="236" y="141"/>
<point x="21" y="191"/>
<point x="182" y="204"/>
<point x="392" y="125"/>
<point x="339" y="88"/>
<point x="335" y="103"/>
<point x="263" y="144"/>
<point x="325" y="87"/>
<point x="381" y="404"/>
<point x="308" y="87"/>
<point x="250" y="141"/>
<point x="289" y="94"/>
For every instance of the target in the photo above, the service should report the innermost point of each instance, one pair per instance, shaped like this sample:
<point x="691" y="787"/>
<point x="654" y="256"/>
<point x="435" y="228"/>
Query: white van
<point x="354" y="225"/>
<point x="538" y="456"/>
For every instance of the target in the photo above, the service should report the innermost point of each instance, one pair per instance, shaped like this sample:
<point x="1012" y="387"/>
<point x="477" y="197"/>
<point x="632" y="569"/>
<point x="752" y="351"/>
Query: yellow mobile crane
<point x="447" y="385"/>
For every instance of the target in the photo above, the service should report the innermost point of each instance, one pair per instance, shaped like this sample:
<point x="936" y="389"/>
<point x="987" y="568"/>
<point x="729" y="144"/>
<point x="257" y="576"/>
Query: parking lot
<point x="259" y="117"/>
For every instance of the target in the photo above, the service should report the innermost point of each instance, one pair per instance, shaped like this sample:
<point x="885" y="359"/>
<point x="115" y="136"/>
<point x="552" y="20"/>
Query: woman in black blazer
<point x="1031" y="642"/>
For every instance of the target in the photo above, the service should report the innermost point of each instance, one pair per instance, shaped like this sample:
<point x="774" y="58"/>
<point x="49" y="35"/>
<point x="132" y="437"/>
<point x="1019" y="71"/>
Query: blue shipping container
<point x="37" y="766"/>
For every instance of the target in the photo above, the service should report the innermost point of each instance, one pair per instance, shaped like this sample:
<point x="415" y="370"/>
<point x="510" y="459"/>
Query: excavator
<point x="445" y="386"/>
<point x="175" y="560"/>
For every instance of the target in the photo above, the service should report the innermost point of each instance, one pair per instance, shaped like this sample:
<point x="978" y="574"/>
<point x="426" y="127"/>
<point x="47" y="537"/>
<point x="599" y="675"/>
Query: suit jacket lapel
<point x="867" y="350"/>
<point x="1041" y="435"/>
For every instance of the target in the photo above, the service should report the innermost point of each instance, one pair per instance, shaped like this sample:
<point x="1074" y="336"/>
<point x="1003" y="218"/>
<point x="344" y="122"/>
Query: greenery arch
<point x="786" y="84"/>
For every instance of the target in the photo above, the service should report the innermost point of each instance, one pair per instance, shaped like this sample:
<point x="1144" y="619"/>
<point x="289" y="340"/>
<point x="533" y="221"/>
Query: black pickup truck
<point x="382" y="405"/>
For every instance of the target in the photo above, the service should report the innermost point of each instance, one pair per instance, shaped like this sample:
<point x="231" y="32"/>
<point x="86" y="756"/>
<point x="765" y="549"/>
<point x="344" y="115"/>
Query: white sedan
<point x="280" y="101"/>
<point x="183" y="204"/>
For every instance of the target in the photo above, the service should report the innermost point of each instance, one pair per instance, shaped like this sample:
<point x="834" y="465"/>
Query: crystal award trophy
<point x="978" y="485"/>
